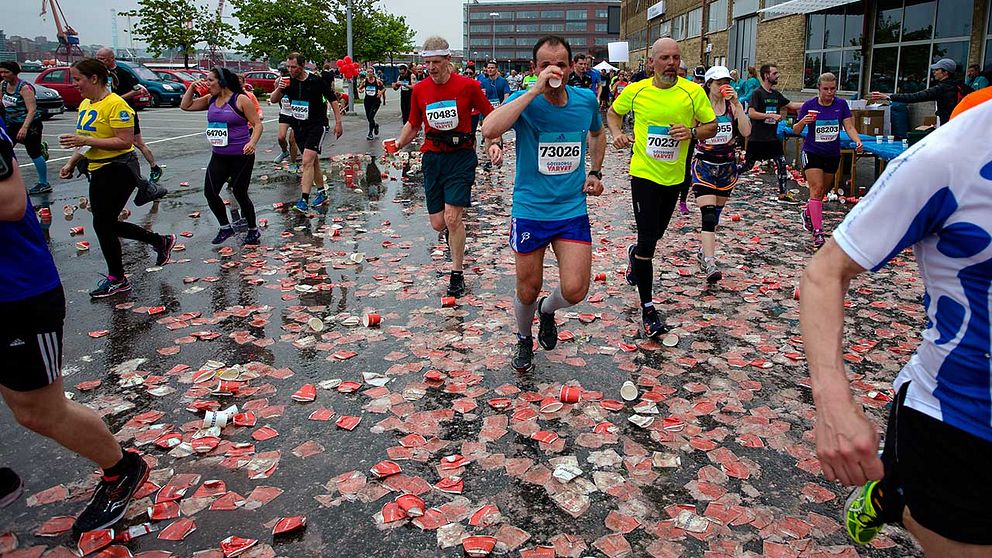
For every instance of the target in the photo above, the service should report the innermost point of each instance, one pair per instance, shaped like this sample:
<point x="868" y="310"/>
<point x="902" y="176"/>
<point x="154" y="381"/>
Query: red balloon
<point x="340" y="62"/>
<point x="347" y="60"/>
<point x="356" y="66"/>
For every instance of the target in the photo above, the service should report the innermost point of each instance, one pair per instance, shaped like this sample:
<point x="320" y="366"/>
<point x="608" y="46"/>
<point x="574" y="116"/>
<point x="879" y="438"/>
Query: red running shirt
<point x="446" y="108"/>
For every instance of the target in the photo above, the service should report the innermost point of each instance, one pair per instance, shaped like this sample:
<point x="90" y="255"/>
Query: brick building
<point x="516" y="26"/>
<point x="872" y="45"/>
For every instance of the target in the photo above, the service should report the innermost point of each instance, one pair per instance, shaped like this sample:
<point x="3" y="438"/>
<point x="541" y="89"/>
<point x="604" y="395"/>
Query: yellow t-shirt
<point x="657" y="156"/>
<point x="99" y="120"/>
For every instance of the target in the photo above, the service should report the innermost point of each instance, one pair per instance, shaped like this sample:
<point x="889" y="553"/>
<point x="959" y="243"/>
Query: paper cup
<point x="554" y="82"/>
<point x="447" y="301"/>
<point x="813" y="113"/>
<point x="600" y="277"/>
<point x="550" y="405"/>
<point x="570" y="394"/>
<point x="890" y="139"/>
<point x="878" y="139"/>
<point x="371" y="320"/>
<point x="316" y="324"/>
<point x="726" y="91"/>
<point x="390" y="145"/>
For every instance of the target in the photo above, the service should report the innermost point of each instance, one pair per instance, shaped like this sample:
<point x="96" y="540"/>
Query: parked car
<point x="198" y="74"/>
<point x="176" y="76"/>
<point x="58" y="79"/>
<point x="161" y="92"/>
<point x="49" y="101"/>
<point x="262" y="81"/>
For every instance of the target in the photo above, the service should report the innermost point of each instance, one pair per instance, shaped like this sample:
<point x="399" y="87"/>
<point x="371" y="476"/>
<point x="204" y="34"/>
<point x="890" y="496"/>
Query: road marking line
<point x="22" y="165"/>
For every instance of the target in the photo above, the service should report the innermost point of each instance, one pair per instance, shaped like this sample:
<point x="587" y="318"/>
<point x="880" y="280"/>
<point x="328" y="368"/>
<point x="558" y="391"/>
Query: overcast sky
<point x="91" y="18"/>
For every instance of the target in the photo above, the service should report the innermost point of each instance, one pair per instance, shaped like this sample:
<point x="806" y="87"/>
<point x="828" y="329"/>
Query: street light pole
<point x="494" y="15"/>
<point x="351" y="83"/>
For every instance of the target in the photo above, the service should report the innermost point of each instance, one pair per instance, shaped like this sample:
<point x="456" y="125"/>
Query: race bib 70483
<point x="442" y="115"/>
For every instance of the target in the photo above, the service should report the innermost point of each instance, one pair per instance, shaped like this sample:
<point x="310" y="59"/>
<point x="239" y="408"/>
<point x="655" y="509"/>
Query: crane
<point x="68" y="37"/>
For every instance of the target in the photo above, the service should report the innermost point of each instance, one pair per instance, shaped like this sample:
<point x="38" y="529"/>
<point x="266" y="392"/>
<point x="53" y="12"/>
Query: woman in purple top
<point x="823" y="115"/>
<point x="233" y="130"/>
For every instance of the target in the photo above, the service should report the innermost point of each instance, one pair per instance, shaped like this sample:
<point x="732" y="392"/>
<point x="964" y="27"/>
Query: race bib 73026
<point x="559" y="153"/>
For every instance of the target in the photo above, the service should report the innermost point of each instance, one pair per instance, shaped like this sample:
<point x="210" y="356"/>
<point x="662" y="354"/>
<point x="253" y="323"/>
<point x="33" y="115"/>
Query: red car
<point x="58" y="79"/>
<point x="198" y="74"/>
<point x="262" y="81"/>
<point x="176" y="76"/>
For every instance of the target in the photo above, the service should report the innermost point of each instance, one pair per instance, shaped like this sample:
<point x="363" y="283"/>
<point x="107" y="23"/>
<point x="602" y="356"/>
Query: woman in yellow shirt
<point x="105" y="137"/>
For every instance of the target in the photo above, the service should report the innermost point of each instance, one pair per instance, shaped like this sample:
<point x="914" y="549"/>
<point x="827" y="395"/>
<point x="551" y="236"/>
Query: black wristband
<point x="596" y="173"/>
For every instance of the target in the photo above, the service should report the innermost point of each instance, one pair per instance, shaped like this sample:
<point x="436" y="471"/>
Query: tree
<point x="180" y="25"/>
<point x="386" y="36"/>
<point x="274" y="29"/>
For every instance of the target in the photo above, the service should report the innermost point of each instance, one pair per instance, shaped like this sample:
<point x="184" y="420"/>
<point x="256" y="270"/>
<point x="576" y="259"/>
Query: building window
<point x="576" y="26"/>
<point x="601" y="41"/>
<point x="504" y="28"/>
<point x="553" y="14"/>
<point x="768" y="4"/>
<point x="475" y="41"/>
<point x="527" y="27"/>
<point x="678" y="27"/>
<point x="717" y="20"/>
<point x="528" y="14"/>
<point x="601" y="27"/>
<point x="480" y="28"/>
<point x="552" y="27"/>
<point x="912" y="34"/>
<point x="694" y="22"/>
<point x="833" y="44"/>
<point x="665" y="29"/>
<point x="577" y="41"/>
<point x="505" y="41"/>
<point x="478" y="15"/>
<point x="574" y="15"/>
<point x="602" y="14"/>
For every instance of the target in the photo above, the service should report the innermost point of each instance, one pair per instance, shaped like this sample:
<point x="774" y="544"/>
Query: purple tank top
<point x="227" y="129"/>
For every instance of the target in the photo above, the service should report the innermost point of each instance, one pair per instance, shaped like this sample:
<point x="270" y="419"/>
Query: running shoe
<point x="222" y="235"/>
<point x="40" y="188"/>
<point x="523" y="358"/>
<point x="11" y="487"/>
<point x="456" y="284"/>
<point x="713" y="273"/>
<point x="377" y="130"/>
<point x="547" y="330"/>
<point x="44" y="150"/>
<point x="253" y="238"/>
<point x="369" y="137"/>
<point x="653" y="326"/>
<point x="629" y="275"/>
<point x="112" y="496"/>
<point x="683" y="208"/>
<point x="294" y="167"/>
<point x="787" y="197"/>
<point x="807" y="222"/>
<point x="818" y="240"/>
<point x="301" y="206"/>
<point x="165" y="250"/>
<point x="155" y="174"/>
<point x="861" y="517"/>
<point x="281" y="157"/>
<point x="320" y="199"/>
<point x="107" y="287"/>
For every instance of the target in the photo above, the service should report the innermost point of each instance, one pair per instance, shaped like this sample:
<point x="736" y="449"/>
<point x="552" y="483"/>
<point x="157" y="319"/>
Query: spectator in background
<point x="404" y="84"/>
<point x="580" y="75"/>
<point x="515" y="80"/>
<point x="749" y="85"/>
<point x="595" y="75"/>
<point x="975" y="80"/>
<point x="699" y="75"/>
<point x="646" y="72"/>
<point x="683" y="70"/>
<point x="947" y="92"/>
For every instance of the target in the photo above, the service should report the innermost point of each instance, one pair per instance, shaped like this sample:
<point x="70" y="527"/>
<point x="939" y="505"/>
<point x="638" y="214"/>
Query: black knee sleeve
<point x="710" y="218"/>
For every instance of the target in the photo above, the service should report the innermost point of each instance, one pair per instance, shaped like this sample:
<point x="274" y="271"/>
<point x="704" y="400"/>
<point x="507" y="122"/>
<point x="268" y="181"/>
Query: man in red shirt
<point x="443" y="105"/>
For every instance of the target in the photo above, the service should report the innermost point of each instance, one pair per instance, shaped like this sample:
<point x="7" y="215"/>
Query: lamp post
<point x="494" y="15"/>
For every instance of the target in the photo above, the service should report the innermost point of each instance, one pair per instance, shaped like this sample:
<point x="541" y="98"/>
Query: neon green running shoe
<point x="861" y="517"/>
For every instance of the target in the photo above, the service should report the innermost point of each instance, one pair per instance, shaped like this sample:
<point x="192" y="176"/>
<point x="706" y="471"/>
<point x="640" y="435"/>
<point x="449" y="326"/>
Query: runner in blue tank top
<point x="233" y="130"/>
<point x="20" y="110"/>
<point x="552" y="122"/>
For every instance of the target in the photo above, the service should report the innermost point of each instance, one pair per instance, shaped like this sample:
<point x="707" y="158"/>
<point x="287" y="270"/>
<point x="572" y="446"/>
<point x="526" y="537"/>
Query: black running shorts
<point x="944" y="473"/>
<point x="309" y="136"/>
<point x="31" y="341"/>
<point x="826" y="163"/>
<point x="448" y="178"/>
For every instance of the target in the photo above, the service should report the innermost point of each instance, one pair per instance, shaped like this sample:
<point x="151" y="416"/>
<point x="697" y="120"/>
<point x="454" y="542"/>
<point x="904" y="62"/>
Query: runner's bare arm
<point x="31" y="104"/>
<point x="13" y="196"/>
<point x="846" y="443"/>
<point x="755" y="115"/>
<point x="504" y="117"/>
<point x="406" y="135"/>
<point x="706" y="131"/>
<point x="852" y="132"/>
<point x="70" y="165"/>
<point x="743" y="122"/>
<point x="597" y="148"/>
<point x="277" y="93"/>
<point x="615" y="122"/>
<point x="248" y="108"/>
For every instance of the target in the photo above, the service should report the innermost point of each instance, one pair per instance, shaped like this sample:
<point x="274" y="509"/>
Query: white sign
<point x="656" y="10"/>
<point x="619" y="52"/>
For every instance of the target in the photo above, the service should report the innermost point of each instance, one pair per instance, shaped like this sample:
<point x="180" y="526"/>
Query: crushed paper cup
<point x="411" y="504"/>
<point x="287" y="525"/>
<point x="371" y="320"/>
<point x="478" y="546"/>
<point x="600" y="278"/>
<point x="91" y="541"/>
<point x="628" y="391"/>
<point x="233" y="545"/>
<point x="566" y="472"/>
<point x="316" y="324"/>
<point x="641" y="420"/>
<point x="550" y="405"/>
<point x="82" y="245"/>
<point x="569" y="394"/>
<point x="76" y="231"/>
<point x="736" y="217"/>
<point x="385" y="469"/>
<point x="670" y="340"/>
<point x="447" y="301"/>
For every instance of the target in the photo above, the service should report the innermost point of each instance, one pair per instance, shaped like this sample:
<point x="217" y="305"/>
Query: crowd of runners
<point x="682" y="134"/>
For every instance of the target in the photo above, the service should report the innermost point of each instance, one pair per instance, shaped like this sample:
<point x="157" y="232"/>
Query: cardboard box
<point x="870" y="121"/>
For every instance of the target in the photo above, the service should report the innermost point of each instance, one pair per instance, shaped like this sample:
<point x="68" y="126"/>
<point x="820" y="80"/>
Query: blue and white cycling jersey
<point x="937" y="198"/>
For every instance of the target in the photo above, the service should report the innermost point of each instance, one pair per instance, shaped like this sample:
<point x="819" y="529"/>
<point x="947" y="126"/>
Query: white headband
<point x="444" y="52"/>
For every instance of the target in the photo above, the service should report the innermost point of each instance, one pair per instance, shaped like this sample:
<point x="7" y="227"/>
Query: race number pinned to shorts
<point x="826" y="131"/>
<point x="300" y="109"/>
<point x="442" y="115"/>
<point x="285" y="107"/>
<point x="217" y="134"/>
<point x="559" y="153"/>
<point x="495" y="103"/>
<point x="724" y="131"/>
<point x="661" y="146"/>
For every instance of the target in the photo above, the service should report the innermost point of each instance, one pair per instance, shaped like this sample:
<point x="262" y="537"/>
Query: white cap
<point x="717" y="72"/>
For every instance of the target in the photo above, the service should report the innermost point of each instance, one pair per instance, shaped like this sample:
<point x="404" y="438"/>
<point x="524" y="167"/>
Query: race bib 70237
<point x="660" y="145"/>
